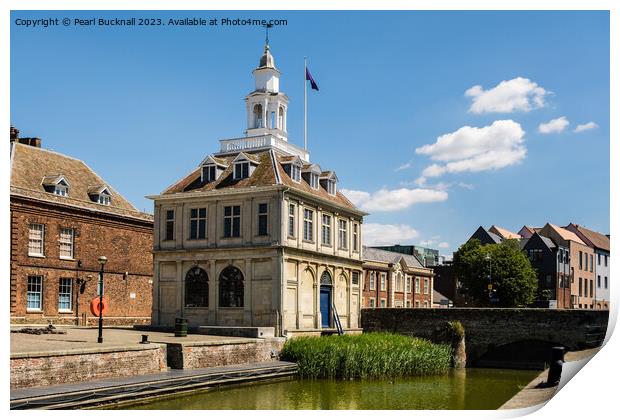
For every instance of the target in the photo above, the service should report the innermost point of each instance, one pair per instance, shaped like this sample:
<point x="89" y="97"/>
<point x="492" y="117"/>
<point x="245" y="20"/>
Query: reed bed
<point x="366" y="356"/>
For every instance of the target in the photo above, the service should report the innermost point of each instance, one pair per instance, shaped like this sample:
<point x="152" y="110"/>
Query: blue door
<point x="326" y="306"/>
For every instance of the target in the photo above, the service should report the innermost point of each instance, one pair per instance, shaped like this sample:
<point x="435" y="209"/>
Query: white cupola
<point x="266" y="106"/>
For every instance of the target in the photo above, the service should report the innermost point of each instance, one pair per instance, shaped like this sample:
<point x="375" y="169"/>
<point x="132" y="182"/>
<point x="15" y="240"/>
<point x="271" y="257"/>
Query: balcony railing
<point x="262" y="142"/>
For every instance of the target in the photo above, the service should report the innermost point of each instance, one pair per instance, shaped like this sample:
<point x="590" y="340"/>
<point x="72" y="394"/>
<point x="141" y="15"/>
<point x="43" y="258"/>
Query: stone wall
<point x="29" y="370"/>
<point x="202" y="355"/>
<point x="489" y="328"/>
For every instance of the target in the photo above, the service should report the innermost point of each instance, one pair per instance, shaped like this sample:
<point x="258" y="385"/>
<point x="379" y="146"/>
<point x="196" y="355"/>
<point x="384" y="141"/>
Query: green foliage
<point x="372" y="355"/>
<point x="457" y="329"/>
<point x="512" y="275"/>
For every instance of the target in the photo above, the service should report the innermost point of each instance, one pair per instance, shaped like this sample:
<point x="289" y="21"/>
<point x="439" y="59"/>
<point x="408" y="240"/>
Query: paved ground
<point x="86" y="338"/>
<point x="533" y="395"/>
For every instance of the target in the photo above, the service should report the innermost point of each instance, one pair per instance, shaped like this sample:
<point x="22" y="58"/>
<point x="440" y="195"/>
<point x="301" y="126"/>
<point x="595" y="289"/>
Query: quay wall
<point x="46" y="369"/>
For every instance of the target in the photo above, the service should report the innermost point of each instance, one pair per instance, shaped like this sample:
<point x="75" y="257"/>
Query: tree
<point x="512" y="277"/>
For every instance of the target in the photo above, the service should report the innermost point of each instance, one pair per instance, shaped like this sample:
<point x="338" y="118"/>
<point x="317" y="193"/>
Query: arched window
<point x="258" y="116"/>
<point x="399" y="283"/>
<point x="326" y="279"/>
<point x="231" y="288"/>
<point x="281" y="118"/>
<point x="196" y="288"/>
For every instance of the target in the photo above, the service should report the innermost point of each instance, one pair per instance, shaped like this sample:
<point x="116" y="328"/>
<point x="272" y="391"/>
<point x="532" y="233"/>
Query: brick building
<point x="393" y="280"/>
<point x="63" y="217"/>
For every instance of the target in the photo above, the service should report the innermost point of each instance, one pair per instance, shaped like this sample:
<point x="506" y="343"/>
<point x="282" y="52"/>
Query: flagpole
<point x="305" y="104"/>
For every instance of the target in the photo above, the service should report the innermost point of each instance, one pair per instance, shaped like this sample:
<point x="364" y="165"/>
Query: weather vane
<point x="267" y="26"/>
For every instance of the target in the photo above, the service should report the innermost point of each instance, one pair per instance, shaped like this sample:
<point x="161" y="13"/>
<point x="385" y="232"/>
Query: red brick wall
<point x="125" y="242"/>
<point x="377" y="294"/>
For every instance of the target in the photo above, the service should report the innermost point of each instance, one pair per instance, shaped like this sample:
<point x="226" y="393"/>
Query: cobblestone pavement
<point x="86" y="338"/>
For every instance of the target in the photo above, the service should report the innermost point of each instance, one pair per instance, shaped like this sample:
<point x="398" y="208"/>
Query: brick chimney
<point x="30" y="141"/>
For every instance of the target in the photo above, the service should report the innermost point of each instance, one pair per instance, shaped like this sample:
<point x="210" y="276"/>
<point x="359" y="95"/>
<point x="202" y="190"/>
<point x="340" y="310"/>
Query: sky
<point x="435" y="122"/>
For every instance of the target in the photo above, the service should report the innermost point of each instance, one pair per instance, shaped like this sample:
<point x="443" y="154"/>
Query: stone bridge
<point x="498" y="334"/>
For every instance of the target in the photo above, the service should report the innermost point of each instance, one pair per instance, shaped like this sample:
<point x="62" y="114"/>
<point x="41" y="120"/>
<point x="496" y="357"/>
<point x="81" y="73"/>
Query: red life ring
<point x="94" y="306"/>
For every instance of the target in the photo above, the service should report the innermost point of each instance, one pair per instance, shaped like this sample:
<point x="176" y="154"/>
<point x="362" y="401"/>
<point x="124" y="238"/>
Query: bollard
<point x="145" y="339"/>
<point x="180" y="327"/>
<point x="555" y="367"/>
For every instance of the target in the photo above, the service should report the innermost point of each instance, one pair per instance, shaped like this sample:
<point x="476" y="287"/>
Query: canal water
<point x="460" y="389"/>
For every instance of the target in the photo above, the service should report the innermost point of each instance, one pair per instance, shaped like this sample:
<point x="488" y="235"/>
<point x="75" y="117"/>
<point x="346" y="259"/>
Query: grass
<point x="366" y="356"/>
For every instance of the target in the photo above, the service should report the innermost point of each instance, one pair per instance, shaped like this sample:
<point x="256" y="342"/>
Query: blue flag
<point x="312" y="82"/>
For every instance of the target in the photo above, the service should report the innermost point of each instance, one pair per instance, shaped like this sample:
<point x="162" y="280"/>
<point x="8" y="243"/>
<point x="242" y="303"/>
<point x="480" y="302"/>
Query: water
<point x="459" y="390"/>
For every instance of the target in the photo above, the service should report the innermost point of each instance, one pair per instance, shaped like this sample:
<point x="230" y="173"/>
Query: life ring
<point x="94" y="306"/>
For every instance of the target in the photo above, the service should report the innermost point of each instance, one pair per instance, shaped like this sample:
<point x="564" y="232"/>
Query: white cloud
<point x="443" y="245"/>
<point x="380" y="234"/>
<point x="403" y="167"/>
<point x="518" y="94"/>
<point x="475" y="149"/>
<point x="393" y="200"/>
<point x="466" y="186"/>
<point x="556" y="125"/>
<point x="585" y="127"/>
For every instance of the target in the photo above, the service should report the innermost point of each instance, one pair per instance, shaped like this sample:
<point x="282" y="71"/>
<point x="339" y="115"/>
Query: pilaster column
<point x="299" y="314"/>
<point x="247" y="293"/>
<point x="317" y="297"/>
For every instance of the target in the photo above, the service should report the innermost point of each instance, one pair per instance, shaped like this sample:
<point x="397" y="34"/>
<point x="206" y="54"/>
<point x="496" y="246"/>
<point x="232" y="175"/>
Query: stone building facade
<point x="393" y="280"/>
<point x="63" y="218"/>
<point x="257" y="235"/>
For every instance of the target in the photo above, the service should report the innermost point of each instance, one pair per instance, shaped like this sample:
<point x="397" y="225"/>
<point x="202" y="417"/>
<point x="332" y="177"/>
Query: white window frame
<point x="426" y="284"/>
<point x="308" y="225"/>
<point x="61" y="190"/>
<point x="211" y="173"/>
<point x="33" y="230"/>
<point x="70" y="234"/>
<point x="417" y="285"/>
<point x="38" y="291"/>
<point x="383" y="303"/>
<point x="326" y="230"/>
<point x="104" y="199"/>
<point x="372" y="281"/>
<point x="407" y="284"/>
<point x="296" y="173"/>
<point x="198" y="219"/>
<point x="314" y="180"/>
<point x="355" y="237"/>
<point x="239" y="169"/>
<point x="372" y="303"/>
<point x="65" y="290"/>
<point x="383" y="282"/>
<point x="343" y="232"/>
<point x="168" y="220"/>
<point x="331" y="187"/>
<point x="292" y="209"/>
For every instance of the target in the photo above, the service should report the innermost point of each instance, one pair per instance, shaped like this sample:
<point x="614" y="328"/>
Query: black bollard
<point x="555" y="367"/>
<point x="145" y="339"/>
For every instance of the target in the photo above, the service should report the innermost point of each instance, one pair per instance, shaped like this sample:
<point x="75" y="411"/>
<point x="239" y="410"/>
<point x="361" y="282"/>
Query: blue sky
<point x="143" y="106"/>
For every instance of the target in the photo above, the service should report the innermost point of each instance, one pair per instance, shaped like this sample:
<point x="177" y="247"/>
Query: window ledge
<point x="67" y="258"/>
<point x="307" y="241"/>
<point x="34" y="311"/>
<point x="36" y="256"/>
<point x="65" y="311"/>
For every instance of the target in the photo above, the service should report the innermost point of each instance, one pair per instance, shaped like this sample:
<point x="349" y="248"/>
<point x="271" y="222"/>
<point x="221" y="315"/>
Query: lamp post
<point x="102" y="260"/>
<point x="490" y="286"/>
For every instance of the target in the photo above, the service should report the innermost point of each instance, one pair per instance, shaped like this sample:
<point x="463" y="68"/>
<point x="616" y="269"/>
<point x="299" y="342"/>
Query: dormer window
<point x="314" y="181"/>
<point x="311" y="174"/>
<point x="56" y="184"/>
<point x="328" y="181"/>
<point x="296" y="173"/>
<point x="100" y="194"/>
<point x="61" y="190"/>
<point x="244" y="166"/>
<point x="104" y="199"/>
<point x="331" y="187"/>
<point x="211" y="168"/>
<point x="208" y="173"/>
<point x="292" y="166"/>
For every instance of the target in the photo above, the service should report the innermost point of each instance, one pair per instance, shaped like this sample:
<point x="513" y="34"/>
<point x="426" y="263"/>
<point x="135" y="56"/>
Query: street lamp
<point x="490" y="286"/>
<point x="102" y="260"/>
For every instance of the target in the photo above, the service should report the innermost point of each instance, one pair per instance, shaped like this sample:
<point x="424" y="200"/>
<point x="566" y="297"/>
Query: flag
<point x="312" y="82"/>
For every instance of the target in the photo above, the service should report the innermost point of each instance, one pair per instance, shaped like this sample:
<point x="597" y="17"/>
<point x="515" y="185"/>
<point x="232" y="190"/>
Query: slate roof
<point x="438" y="297"/>
<point x="381" y="255"/>
<point x="548" y="242"/>
<point x="269" y="172"/>
<point x="595" y="239"/>
<point x="31" y="165"/>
